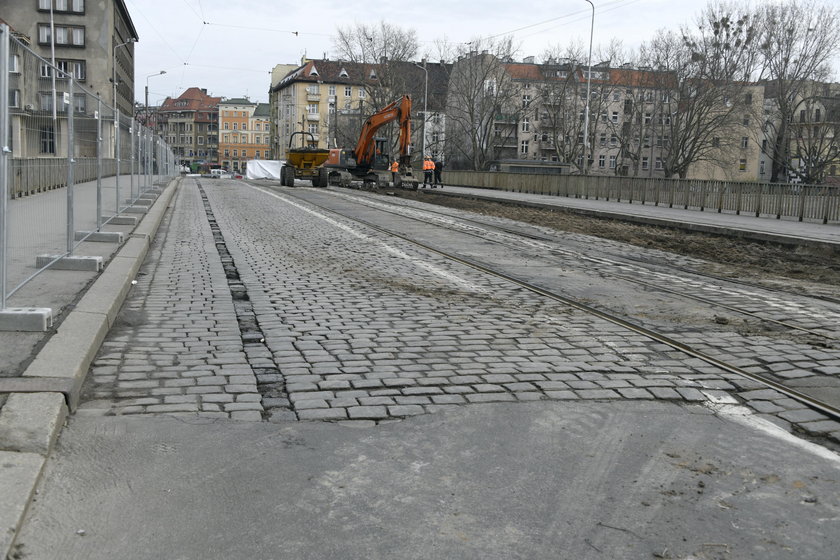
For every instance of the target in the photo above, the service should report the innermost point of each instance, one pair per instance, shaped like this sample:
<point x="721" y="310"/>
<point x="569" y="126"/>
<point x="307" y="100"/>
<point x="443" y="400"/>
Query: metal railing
<point x="813" y="203"/>
<point x="70" y="163"/>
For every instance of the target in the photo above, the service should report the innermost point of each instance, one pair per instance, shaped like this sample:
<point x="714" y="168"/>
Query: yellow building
<point x="244" y="129"/>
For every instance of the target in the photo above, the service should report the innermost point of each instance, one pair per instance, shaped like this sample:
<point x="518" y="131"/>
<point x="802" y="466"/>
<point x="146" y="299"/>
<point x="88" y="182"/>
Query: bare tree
<point x="798" y="40"/>
<point x="483" y="103"/>
<point x="707" y="72"/>
<point x="815" y="134"/>
<point x="381" y="53"/>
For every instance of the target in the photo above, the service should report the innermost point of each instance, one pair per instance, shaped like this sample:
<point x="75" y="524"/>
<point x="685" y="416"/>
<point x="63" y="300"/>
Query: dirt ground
<point x="745" y="260"/>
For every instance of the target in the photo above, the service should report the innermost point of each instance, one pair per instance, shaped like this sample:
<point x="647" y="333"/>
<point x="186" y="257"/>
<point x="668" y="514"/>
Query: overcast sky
<point x="230" y="46"/>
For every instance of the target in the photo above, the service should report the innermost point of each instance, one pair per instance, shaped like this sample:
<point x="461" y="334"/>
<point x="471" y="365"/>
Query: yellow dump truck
<point x="306" y="162"/>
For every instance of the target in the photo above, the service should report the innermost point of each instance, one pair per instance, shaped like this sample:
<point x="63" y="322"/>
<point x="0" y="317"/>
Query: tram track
<point x="544" y="243"/>
<point x="830" y="410"/>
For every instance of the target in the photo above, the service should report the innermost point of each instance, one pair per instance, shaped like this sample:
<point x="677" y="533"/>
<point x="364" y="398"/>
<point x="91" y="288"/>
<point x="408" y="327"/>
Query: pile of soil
<point x="736" y="258"/>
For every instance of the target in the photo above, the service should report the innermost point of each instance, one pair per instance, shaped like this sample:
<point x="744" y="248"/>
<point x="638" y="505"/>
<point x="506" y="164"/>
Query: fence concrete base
<point x="120" y="220"/>
<point x="100" y="236"/>
<point x="28" y="319"/>
<point x="136" y="209"/>
<point x="91" y="264"/>
<point x="142" y="201"/>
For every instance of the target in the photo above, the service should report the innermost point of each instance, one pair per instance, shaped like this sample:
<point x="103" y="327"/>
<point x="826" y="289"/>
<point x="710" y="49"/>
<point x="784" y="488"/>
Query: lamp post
<point x="147" y="93"/>
<point x="425" y="102"/>
<point x="588" y="87"/>
<point x="114" y="74"/>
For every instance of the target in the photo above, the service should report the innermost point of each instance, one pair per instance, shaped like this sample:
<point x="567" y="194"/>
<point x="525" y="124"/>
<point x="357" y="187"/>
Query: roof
<point x="519" y="71"/>
<point x="238" y="101"/>
<point x="193" y="99"/>
<point x="263" y="110"/>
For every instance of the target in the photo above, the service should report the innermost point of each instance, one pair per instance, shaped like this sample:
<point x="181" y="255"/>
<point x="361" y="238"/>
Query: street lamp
<point x="588" y="86"/>
<point x="147" y="92"/>
<point x="425" y="101"/>
<point x="114" y="74"/>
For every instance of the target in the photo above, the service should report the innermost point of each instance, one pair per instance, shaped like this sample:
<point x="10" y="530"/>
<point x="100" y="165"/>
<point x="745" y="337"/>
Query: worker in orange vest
<point x="395" y="169"/>
<point x="428" y="170"/>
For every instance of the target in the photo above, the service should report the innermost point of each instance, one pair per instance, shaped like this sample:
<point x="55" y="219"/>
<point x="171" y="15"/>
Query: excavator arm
<point x="399" y="110"/>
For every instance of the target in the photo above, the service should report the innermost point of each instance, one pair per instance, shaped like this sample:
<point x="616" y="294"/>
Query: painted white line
<point x="744" y="416"/>
<point x="465" y="284"/>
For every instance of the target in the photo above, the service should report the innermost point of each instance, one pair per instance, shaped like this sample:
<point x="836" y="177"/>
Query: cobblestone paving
<point x="176" y="347"/>
<point x="362" y="327"/>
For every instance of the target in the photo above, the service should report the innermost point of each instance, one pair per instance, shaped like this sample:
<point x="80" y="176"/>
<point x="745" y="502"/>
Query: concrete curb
<point x="30" y="423"/>
<point x="765" y="237"/>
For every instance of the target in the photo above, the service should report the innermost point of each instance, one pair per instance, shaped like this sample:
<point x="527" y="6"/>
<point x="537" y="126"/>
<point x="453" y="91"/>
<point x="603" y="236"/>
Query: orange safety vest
<point x="395" y="167"/>
<point x="428" y="165"/>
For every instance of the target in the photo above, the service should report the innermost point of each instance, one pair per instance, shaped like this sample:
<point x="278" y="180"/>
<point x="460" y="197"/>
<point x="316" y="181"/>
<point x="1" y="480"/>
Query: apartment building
<point x="329" y="100"/>
<point x="190" y="124"/>
<point x="94" y="42"/>
<point x="244" y="129"/>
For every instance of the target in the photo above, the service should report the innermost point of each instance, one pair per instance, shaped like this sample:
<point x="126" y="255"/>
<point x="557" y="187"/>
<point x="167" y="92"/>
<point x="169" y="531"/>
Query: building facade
<point x="244" y="130"/>
<point x="190" y="124"/>
<point x="94" y="42"/>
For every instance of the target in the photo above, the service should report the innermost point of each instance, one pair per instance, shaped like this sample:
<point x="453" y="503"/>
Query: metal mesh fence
<point x="70" y="162"/>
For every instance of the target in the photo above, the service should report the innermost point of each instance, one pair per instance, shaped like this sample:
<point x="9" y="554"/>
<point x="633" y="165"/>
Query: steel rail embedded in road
<point x="609" y="262"/>
<point x="809" y="401"/>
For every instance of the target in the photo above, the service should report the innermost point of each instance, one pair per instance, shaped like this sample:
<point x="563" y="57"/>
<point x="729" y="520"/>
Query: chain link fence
<point x="70" y="163"/>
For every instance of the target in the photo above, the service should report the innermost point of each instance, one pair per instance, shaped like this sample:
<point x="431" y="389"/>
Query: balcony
<point x="313" y="96"/>
<point x="315" y="117"/>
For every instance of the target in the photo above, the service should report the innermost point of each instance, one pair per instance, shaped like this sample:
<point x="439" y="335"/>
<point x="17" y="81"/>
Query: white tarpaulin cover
<point x="264" y="168"/>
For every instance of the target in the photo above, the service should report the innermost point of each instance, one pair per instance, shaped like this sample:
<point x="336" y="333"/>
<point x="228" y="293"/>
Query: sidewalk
<point x="786" y="232"/>
<point x="35" y="405"/>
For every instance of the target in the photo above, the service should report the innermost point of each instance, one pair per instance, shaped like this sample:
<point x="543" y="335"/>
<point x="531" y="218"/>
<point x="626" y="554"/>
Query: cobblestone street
<point x="361" y="326"/>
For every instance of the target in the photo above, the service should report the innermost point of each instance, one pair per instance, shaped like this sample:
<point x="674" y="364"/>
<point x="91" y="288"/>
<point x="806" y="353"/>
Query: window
<point x="14" y="63"/>
<point x="817" y="115"/>
<point x="235" y="153"/>
<point x="748" y="99"/>
<point x="80" y="103"/>
<point x="647" y="118"/>
<point x="646" y="141"/>
<point x="235" y="126"/>
<point x="227" y="154"/>
<point x="614" y="116"/>
<point x="716" y="142"/>
<point x="226" y="138"/>
<point x="332" y="90"/>
<point x="761" y="167"/>
<point x="764" y="145"/>
<point x="244" y="126"/>
<point x="73" y="6"/>
<point x="257" y="126"/>
<point x="523" y="149"/>
<point x="201" y="140"/>
<point x="742" y="165"/>
<point x="348" y="91"/>
<point x="613" y="140"/>
<point x="313" y="129"/>
<point x="312" y="108"/>
<point x="602" y="161"/>
<point x="744" y="142"/>
<point x="64" y="35"/>
<point x="45" y="101"/>
<point x="244" y="153"/>
<point x="746" y="120"/>
<point x="603" y="139"/>
<point x="526" y="124"/>
<point x="362" y="93"/>
<point x="226" y="126"/>
<point x="604" y="116"/>
<point x="526" y="100"/>
<point x="14" y="98"/>
<point x="47" y="134"/>
<point x="645" y="163"/>
<point x="612" y="162"/>
<point x="616" y="96"/>
<point x="802" y="115"/>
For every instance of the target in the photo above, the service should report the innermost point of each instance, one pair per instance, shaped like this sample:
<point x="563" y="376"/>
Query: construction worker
<point x="395" y="170"/>
<point x="428" y="171"/>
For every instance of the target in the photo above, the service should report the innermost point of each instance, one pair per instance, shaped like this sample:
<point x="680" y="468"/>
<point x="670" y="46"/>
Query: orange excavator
<point x="368" y="161"/>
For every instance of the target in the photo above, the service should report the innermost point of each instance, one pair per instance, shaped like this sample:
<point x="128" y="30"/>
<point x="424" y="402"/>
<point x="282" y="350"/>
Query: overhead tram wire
<point x="583" y="18"/>
<point x="615" y="4"/>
